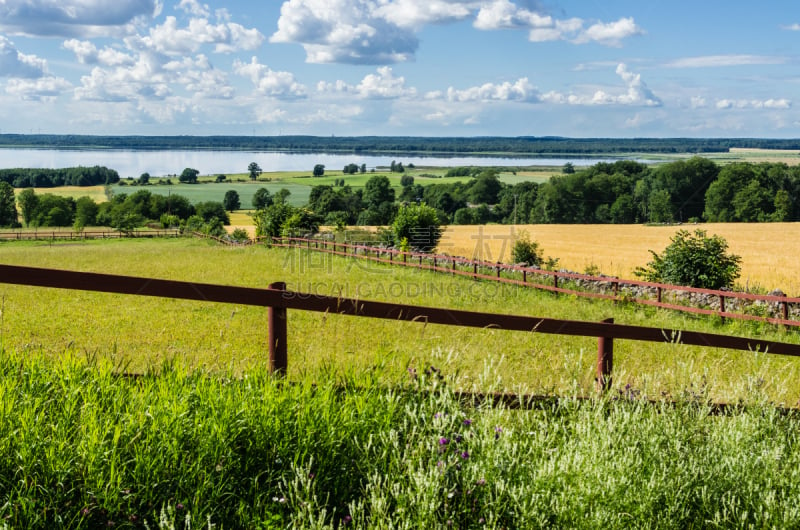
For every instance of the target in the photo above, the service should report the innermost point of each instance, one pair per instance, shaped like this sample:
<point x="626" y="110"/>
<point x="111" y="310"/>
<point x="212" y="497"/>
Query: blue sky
<point x="596" y="68"/>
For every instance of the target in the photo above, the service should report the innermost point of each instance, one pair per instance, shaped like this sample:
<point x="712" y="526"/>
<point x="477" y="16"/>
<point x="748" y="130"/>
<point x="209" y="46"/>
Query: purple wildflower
<point x="464" y="455"/>
<point x="179" y="506"/>
<point x="347" y="519"/>
<point x="467" y="422"/>
<point x="443" y="441"/>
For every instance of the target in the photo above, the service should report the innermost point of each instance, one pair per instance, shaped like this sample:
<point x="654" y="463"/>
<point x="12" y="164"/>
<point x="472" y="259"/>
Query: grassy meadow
<point x="370" y="434"/>
<point x="138" y="333"/>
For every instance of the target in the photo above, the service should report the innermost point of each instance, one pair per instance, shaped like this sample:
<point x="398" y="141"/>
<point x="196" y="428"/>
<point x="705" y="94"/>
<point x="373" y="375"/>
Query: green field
<point x="370" y="435"/>
<point x="139" y="332"/>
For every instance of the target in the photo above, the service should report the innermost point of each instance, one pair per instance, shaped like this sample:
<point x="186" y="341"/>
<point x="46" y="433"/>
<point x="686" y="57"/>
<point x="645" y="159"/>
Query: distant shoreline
<point x="490" y="146"/>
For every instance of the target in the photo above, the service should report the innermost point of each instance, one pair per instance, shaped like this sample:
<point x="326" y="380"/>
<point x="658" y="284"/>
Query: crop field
<point x="371" y="434"/>
<point x="212" y="191"/>
<point x="96" y="193"/>
<point x="769" y="250"/>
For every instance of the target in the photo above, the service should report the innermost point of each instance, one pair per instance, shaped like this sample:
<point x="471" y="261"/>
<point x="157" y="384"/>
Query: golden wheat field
<point x="770" y="251"/>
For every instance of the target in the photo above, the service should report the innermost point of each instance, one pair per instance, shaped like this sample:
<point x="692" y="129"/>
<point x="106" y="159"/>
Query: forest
<point x="485" y="145"/>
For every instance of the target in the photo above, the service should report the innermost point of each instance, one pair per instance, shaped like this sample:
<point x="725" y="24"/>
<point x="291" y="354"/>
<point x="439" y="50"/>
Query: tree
<point x="526" y="251"/>
<point x="210" y="210"/>
<point x="417" y="225"/>
<point x="8" y="207"/>
<point x="144" y="179"/>
<point x="220" y="178"/>
<point x="28" y="203"/>
<point x="254" y="169"/>
<point x="568" y="169"/>
<point x="189" y="176"/>
<point x="261" y="198"/>
<point x="231" y="200"/>
<point x="406" y="180"/>
<point x="86" y="211"/>
<point x="319" y="170"/>
<point x="695" y="260"/>
<point x="281" y="195"/>
<point x="378" y="190"/>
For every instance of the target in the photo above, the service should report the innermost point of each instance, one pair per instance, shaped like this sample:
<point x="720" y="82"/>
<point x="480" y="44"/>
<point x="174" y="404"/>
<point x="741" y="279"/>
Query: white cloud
<point x="385" y="31"/>
<point x="610" y="34"/>
<point x="193" y="7"/>
<point x="43" y="88"/>
<point x="521" y="90"/>
<point x="709" y="61"/>
<point x="698" y="102"/>
<point x="383" y="85"/>
<point x="502" y="14"/>
<point x="87" y="53"/>
<point x="16" y="64"/>
<point x="269" y="82"/>
<point x="792" y="27"/>
<point x="725" y="104"/>
<point x="74" y="17"/>
<point x="412" y="14"/>
<point x="169" y="39"/>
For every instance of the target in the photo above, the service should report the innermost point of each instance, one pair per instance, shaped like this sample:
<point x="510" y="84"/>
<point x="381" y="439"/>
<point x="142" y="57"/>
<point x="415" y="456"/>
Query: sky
<point x="576" y="68"/>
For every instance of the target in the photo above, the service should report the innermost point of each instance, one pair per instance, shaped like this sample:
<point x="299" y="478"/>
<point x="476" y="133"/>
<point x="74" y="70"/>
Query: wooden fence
<point x="552" y="281"/>
<point x="71" y="235"/>
<point x="279" y="300"/>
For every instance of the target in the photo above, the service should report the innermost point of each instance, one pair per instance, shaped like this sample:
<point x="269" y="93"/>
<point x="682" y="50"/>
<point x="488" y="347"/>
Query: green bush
<point x="694" y="260"/>
<point x="526" y="251"/>
<point x="419" y="225"/>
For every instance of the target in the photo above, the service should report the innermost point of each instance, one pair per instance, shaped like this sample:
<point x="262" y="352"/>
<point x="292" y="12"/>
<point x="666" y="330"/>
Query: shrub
<point x="695" y="260"/>
<point x="526" y="251"/>
<point x="419" y="225"/>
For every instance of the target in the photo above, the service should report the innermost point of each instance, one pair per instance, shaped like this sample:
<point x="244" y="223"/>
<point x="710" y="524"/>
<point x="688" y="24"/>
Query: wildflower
<point x="179" y="506"/>
<point x="459" y="438"/>
<point x="481" y="520"/>
<point x="311" y="475"/>
<point x="480" y="482"/>
<point x="443" y="441"/>
<point x="85" y="512"/>
<point x="467" y="422"/>
<point x="439" y="464"/>
<point x="497" y="431"/>
<point x="464" y="455"/>
<point x="347" y="519"/>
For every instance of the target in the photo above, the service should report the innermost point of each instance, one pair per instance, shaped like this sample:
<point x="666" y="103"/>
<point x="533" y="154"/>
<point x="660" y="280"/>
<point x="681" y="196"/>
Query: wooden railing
<point x="52" y="235"/>
<point x="279" y="300"/>
<point x="553" y="281"/>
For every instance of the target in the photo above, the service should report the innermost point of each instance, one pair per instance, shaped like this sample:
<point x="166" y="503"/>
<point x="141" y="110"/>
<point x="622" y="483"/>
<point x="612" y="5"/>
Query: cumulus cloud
<point x="708" y="61"/>
<point x="725" y="104"/>
<point x="43" y="88"/>
<point x="637" y="93"/>
<point x="73" y="17"/>
<point x="87" y="53"/>
<point x="193" y="7"/>
<point x="169" y="39"/>
<point x="382" y="85"/>
<point x="385" y="31"/>
<point x="15" y="64"/>
<point x="521" y="90"/>
<point x="269" y="82"/>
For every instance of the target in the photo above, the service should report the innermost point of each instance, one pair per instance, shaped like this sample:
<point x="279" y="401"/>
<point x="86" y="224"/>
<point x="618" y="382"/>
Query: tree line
<point x="525" y="145"/>
<point x="51" y="178"/>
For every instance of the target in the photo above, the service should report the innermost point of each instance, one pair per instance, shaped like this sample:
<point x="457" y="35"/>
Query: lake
<point x="159" y="163"/>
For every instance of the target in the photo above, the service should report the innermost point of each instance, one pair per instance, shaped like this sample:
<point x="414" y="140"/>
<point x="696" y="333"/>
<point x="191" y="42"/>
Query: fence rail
<point x="532" y="277"/>
<point x="50" y="235"/>
<point x="278" y="299"/>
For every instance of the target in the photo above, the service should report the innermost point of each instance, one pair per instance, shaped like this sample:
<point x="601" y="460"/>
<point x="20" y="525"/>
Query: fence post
<point x="605" y="360"/>
<point x="454" y="265"/>
<point x="722" y="306"/>
<point x="474" y="270"/>
<point x="278" y="357"/>
<point x="658" y="294"/>
<point x="524" y="275"/>
<point x="785" y="308"/>
<point x="616" y="291"/>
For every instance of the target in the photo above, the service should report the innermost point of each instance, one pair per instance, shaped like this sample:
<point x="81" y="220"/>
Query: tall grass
<point x="81" y="448"/>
